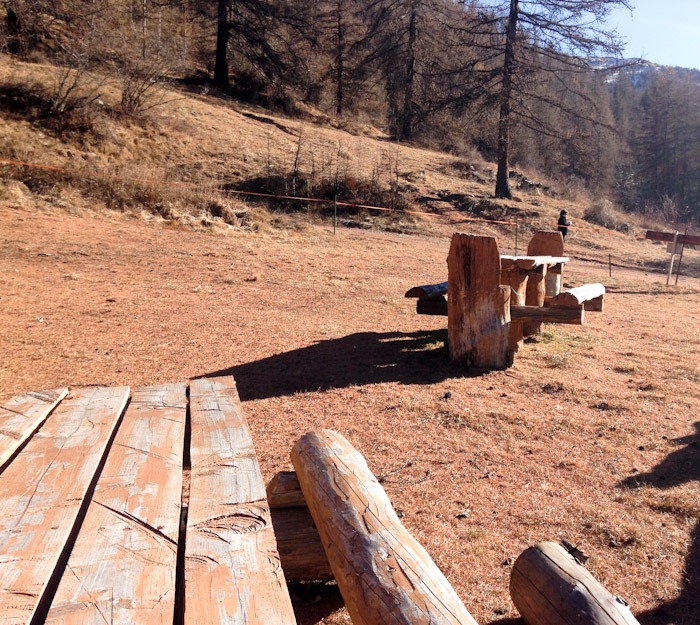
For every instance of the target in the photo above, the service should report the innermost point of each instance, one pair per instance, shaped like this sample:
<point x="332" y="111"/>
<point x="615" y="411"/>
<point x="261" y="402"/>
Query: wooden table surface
<point x="135" y="507"/>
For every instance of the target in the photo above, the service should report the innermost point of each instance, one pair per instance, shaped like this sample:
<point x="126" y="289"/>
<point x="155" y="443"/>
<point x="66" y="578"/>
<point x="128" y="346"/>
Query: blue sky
<point x="661" y="31"/>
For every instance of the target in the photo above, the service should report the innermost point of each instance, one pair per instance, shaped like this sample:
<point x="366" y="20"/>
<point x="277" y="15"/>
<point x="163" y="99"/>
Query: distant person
<point x="563" y="224"/>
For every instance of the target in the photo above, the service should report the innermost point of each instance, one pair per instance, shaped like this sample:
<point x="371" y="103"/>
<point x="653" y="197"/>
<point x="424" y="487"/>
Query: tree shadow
<point x="353" y="360"/>
<point x="679" y="467"/>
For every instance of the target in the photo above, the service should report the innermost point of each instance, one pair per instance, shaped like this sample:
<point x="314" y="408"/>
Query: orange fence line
<point x="279" y="197"/>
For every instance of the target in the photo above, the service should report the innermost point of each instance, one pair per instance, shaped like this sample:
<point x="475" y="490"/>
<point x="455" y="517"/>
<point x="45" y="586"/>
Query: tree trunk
<point x="502" y="185"/>
<point x="407" y="114"/>
<point x="383" y="573"/>
<point x="221" y="79"/>
<point x="339" y="60"/>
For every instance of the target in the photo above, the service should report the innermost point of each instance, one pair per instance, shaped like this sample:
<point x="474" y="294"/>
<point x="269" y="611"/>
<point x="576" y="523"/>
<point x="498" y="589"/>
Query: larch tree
<point x="533" y="33"/>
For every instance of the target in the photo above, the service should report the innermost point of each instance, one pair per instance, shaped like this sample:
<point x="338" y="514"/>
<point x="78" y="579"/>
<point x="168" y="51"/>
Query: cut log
<point x="546" y="243"/>
<point x="124" y="561"/>
<point x="478" y="307"/>
<point x="232" y="569"/>
<point x="41" y="497"/>
<point x="428" y="291"/>
<point x="549" y="587"/>
<point x="284" y="491"/>
<point x="383" y="573"/>
<point x="590" y="294"/>
<point x="537" y="315"/>
<point x="436" y="308"/>
<point x="21" y="416"/>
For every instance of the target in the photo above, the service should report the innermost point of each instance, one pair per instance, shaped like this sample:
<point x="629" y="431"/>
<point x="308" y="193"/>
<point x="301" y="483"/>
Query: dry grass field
<point x="593" y="435"/>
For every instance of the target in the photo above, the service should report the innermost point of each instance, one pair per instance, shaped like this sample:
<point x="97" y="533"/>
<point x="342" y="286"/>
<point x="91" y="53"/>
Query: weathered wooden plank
<point x="535" y="314"/>
<point x="688" y="239"/>
<point x="123" y="565"/>
<point x="21" y="416"/>
<point x="232" y="568"/>
<point x="529" y="263"/>
<point x="428" y="291"/>
<point x="383" y="573"/>
<point x="549" y="587"/>
<point x="42" y="493"/>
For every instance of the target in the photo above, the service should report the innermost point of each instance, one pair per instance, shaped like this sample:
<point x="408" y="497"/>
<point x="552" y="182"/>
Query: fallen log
<point x="549" y="587"/>
<point x="301" y="553"/>
<point x="383" y="573"/>
<point x="590" y="295"/>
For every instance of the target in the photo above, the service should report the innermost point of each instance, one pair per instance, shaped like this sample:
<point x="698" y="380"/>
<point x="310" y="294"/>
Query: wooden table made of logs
<point x="135" y="507"/>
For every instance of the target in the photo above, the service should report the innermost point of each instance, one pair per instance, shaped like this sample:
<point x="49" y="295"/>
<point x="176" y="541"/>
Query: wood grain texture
<point x="42" y="492"/>
<point x="21" y="416"/>
<point x="383" y="573"/>
<point x="123" y="565"/>
<point x="478" y="310"/>
<point x="549" y="587"/>
<point x="232" y="567"/>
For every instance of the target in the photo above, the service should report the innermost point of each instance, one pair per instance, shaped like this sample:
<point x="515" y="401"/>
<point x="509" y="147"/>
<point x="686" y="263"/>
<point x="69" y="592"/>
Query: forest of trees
<point x="434" y="72"/>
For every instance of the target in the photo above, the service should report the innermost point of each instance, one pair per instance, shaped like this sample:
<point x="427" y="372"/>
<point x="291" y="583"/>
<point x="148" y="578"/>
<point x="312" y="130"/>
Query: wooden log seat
<point x="590" y="296"/>
<point x="550" y="587"/>
<point x="383" y="573"/>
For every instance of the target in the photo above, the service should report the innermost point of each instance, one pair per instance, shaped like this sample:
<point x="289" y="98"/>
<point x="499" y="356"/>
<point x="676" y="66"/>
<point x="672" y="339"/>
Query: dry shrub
<point x="603" y="213"/>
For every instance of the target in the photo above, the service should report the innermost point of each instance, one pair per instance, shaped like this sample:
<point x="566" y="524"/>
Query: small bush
<point x="603" y="213"/>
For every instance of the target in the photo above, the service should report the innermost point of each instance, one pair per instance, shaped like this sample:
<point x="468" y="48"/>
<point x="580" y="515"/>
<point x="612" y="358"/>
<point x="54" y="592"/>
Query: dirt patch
<point x="592" y="436"/>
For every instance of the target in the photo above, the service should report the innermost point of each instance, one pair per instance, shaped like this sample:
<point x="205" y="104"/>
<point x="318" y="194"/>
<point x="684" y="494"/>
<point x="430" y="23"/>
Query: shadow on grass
<point x="677" y="468"/>
<point x="354" y="360"/>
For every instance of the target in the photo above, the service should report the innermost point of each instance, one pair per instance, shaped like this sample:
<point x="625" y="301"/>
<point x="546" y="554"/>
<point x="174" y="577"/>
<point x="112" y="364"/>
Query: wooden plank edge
<point x="53" y="397"/>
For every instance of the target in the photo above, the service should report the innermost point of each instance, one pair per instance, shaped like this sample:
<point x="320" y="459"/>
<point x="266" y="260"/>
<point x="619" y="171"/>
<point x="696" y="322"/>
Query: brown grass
<point x="592" y="436"/>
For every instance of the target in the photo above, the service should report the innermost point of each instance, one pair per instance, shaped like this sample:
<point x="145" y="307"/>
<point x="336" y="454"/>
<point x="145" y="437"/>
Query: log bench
<point x="135" y="507"/>
<point x="493" y="301"/>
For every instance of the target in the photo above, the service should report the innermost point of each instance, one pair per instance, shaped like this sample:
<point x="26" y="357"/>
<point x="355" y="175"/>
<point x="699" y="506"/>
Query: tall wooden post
<point x="478" y="308"/>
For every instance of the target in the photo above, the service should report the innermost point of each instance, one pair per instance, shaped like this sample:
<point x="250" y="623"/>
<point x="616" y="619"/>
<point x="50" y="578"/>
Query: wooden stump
<point x="383" y="573"/>
<point x="478" y="308"/>
<point x="549" y="587"/>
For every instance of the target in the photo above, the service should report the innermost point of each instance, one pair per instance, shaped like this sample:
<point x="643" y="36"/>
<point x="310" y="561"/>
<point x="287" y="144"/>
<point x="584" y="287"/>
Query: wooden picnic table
<point x="135" y="507"/>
